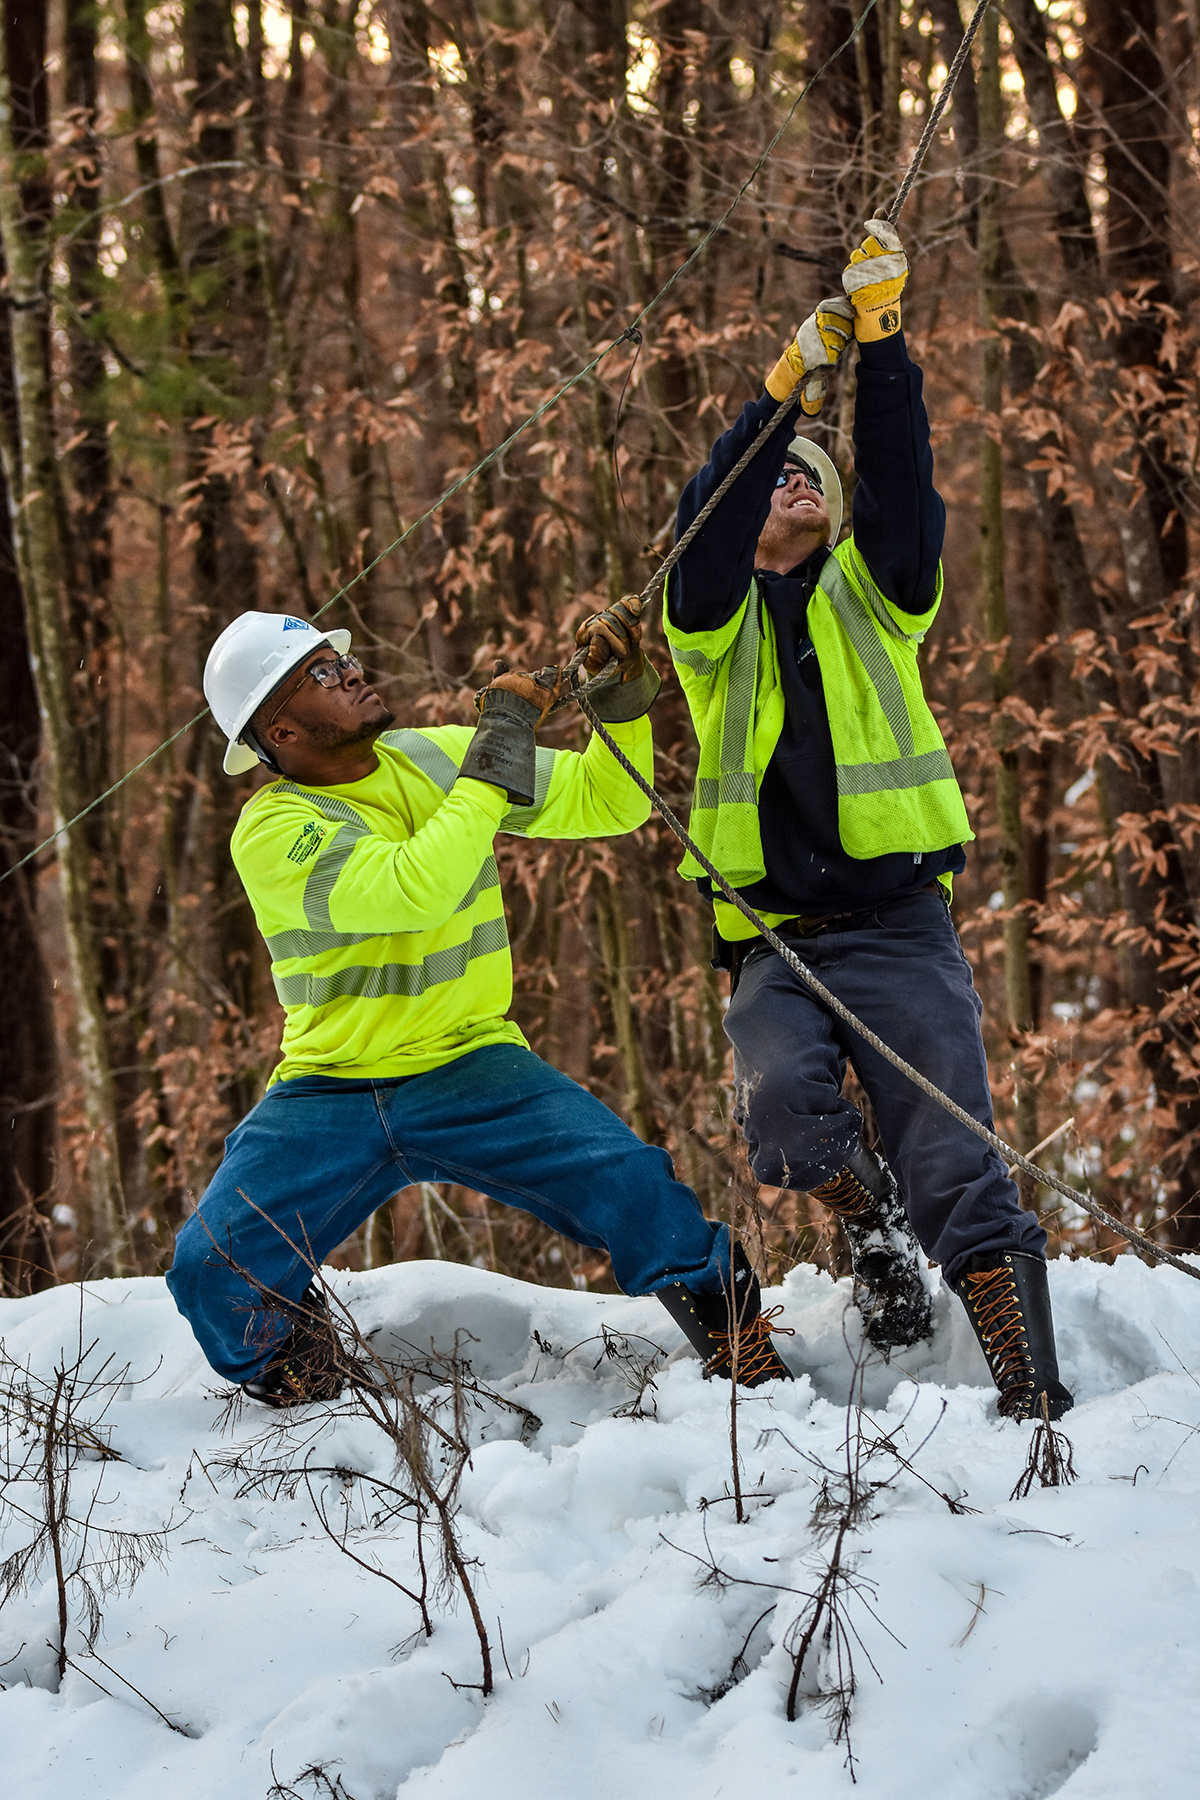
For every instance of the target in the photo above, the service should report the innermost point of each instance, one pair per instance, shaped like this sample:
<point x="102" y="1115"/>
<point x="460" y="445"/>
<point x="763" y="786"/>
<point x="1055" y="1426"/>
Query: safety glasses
<point x="326" y="674"/>
<point x="805" y="469"/>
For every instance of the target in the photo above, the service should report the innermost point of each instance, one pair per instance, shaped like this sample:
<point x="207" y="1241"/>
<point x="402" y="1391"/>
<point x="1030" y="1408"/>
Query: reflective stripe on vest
<point x="409" y="980"/>
<point x="905" y="770"/>
<point x="695" y="659"/>
<point x="287" y="944"/>
<point x="382" y="980"/>
<point x="428" y="757"/>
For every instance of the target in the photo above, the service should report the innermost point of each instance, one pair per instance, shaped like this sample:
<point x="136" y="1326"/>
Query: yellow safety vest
<point x="896" y="786"/>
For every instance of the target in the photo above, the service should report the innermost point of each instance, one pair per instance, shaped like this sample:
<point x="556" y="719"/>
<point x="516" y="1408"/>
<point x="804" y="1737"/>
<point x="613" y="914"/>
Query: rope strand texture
<point x="939" y="107"/>
<point x="1043" y="1176"/>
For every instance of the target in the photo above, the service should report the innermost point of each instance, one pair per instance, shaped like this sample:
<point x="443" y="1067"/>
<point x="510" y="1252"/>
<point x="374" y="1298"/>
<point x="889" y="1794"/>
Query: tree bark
<point x="31" y="473"/>
<point x="1008" y="770"/>
<point x="28" y="1060"/>
<point x="1168" y="784"/>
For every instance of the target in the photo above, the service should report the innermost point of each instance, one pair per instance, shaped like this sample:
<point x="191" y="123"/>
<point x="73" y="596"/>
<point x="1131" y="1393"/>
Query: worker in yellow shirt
<point x="370" y="868"/>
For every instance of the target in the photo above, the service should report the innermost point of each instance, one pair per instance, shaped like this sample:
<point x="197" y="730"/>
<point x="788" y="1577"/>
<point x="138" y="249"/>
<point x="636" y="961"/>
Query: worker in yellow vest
<point x="369" y="864"/>
<point x="826" y="797"/>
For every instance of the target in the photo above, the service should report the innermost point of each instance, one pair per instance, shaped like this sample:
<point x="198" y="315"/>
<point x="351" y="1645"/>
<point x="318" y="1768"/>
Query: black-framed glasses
<point x="327" y="674"/>
<point x="805" y="469"/>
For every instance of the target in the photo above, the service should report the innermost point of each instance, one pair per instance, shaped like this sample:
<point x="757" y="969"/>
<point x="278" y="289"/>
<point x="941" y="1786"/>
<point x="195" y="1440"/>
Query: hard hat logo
<point x="248" y="662"/>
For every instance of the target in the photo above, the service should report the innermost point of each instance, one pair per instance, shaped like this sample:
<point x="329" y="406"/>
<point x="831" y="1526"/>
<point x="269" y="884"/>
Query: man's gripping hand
<point x="813" y="354"/>
<point x="539" y="691"/>
<point x="623" y="684"/>
<point x="617" y="631"/>
<point x="510" y="708"/>
<point x="874" y="280"/>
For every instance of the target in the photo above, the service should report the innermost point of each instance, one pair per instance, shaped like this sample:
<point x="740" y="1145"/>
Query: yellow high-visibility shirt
<point x="380" y="899"/>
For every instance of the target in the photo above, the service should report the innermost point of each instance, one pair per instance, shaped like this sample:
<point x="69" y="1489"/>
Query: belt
<point x="804" y="926"/>
<point x="735" y="956"/>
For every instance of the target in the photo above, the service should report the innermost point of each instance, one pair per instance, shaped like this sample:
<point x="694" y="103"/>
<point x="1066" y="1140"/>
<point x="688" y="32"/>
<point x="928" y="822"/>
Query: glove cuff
<point x="812" y="396"/>
<point x="504" y="750"/>
<point x="617" y="702"/>
<point x="877" y="321"/>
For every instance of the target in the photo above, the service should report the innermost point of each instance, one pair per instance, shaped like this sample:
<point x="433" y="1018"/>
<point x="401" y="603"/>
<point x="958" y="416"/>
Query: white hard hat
<point x="804" y="450"/>
<point x="250" y="659"/>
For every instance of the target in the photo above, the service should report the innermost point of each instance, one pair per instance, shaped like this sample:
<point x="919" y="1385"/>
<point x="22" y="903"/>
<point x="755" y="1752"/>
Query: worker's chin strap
<point x="264" y="756"/>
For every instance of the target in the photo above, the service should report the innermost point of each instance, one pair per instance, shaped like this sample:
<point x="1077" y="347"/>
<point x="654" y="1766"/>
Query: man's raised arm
<point x="899" y="517"/>
<point x="712" y="577"/>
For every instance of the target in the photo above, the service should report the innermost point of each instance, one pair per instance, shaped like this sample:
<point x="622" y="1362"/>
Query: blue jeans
<point x="904" y="974"/>
<point x="317" y="1155"/>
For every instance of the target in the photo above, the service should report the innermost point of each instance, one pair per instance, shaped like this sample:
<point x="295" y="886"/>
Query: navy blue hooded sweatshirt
<point x="899" y="523"/>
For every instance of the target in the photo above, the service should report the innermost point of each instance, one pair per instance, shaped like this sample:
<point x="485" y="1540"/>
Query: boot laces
<point x="846" y="1196"/>
<point x="755" y="1352"/>
<point x="997" y="1308"/>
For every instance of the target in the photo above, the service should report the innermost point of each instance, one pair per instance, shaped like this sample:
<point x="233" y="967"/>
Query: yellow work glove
<point x="813" y="355"/>
<point x="874" y="280"/>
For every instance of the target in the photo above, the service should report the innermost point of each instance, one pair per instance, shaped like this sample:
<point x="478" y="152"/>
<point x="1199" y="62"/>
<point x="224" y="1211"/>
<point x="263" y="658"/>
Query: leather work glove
<point x="540" y="690"/>
<point x="874" y="280"/>
<point x="617" y="631"/>
<point x="511" y="707"/>
<point x="622" y="685"/>
<point x="813" y="354"/>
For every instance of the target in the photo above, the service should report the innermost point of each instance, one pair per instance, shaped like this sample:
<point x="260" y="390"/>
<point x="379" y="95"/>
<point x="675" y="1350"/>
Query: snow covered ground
<point x="1016" y="1650"/>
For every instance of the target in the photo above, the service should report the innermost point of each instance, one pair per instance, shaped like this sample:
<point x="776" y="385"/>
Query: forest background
<point x="276" y="277"/>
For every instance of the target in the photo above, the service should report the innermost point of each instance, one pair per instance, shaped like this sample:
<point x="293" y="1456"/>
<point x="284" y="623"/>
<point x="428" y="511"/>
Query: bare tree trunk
<point x="614" y="947"/>
<point x="141" y="98"/>
<point x="28" y="1060"/>
<point x="340" y="52"/>
<point x="96" y="647"/>
<point x="1008" y="770"/>
<point x="32" y="476"/>
<point x="1167" y="784"/>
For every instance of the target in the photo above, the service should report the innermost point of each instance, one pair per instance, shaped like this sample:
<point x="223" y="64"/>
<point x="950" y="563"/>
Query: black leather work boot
<point x="888" y="1289"/>
<point x="704" y="1320"/>
<point x="1007" y="1297"/>
<point x="307" y="1365"/>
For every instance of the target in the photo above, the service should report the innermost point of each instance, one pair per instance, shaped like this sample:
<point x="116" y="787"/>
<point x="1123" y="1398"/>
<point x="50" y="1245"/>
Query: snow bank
<point x="1010" y="1652"/>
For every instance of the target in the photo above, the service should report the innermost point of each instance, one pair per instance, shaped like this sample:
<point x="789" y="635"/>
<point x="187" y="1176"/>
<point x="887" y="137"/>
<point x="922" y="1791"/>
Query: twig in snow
<point x="46" y="1438"/>
<point x="317" y="1774"/>
<point x="420" y="1600"/>
<point x="1051" y="1459"/>
<point x="976" y="1615"/>
<point x="183" y="1730"/>
<point x="739" y="1668"/>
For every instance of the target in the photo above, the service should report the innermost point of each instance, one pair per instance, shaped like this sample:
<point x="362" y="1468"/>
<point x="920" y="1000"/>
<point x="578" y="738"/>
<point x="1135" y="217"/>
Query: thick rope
<point x="1043" y="1176"/>
<point x="952" y="74"/>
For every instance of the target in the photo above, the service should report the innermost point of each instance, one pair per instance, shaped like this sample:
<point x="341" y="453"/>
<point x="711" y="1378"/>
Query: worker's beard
<point x="785" y="540"/>
<point x="331" y="736"/>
